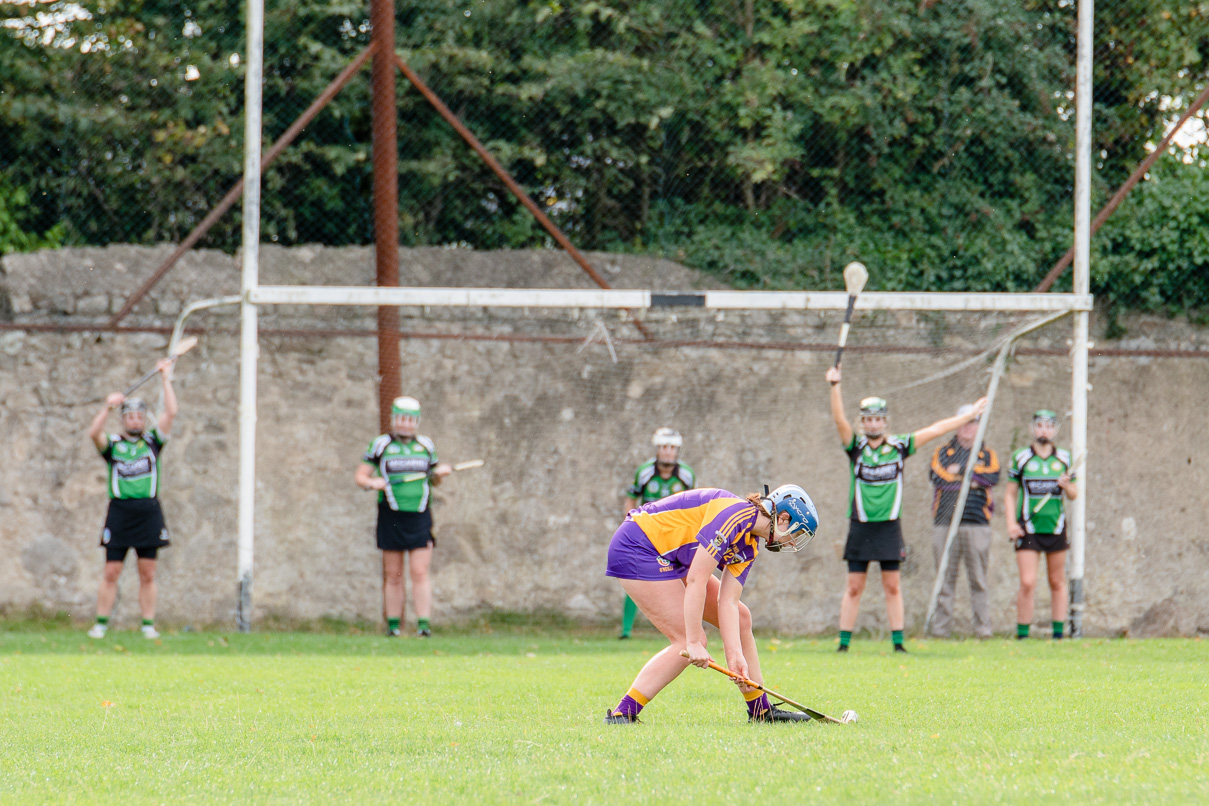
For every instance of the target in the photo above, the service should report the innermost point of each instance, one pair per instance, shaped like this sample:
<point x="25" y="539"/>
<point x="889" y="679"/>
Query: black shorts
<point x="875" y="541"/>
<point x="117" y="554"/>
<point x="1048" y="544"/>
<point x="862" y="566"/>
<point x="134" y="523"/>
<point x="404" y="531"/>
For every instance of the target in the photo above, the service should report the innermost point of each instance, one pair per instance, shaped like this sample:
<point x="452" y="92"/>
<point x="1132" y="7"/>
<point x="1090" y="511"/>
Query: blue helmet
<point x="803" y="518"/>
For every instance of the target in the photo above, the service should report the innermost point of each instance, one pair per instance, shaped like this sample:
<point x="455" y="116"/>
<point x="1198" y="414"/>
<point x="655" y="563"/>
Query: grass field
<point x="517" y="718"/>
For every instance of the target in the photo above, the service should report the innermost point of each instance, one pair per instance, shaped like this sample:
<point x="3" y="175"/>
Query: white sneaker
<point x="149" y="631"/>
<point x="97" y="631"/>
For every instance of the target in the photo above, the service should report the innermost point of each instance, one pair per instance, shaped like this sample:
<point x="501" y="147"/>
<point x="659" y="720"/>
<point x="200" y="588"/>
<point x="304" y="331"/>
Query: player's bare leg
<point x="1055" y="566"/>
<point x="109" y="588"/>
<point x="850" y="605"/>
<point x="1027" y="562"/>
<point x="662" y="602"/>
<point x="894" y="599"/>
<point x="750" y="652"/>
<point x="392" y="586"/>
<point x="418" y="561"/>
<point x="148" y="591"/>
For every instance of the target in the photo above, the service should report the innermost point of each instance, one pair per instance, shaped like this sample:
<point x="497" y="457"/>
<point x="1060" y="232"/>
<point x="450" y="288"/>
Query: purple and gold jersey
<point x="717" y="520"/>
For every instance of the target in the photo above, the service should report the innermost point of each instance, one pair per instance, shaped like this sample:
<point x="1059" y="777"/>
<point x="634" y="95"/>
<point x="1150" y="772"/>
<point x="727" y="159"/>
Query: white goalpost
<point x="975" y="356"/>
<point x="1079" y="303"/>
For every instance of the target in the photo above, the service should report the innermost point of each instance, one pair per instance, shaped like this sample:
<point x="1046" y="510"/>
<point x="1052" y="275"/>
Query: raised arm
<point x="165" y="422"/>
<point x="96" y="431"/>
<point x="837" y="406"/>
<point x="936" y="429"/>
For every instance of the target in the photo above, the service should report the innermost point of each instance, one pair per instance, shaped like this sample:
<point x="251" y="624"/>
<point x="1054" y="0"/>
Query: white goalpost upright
<point x="1049" y="306"/>
<point x="248" y="349"/>
<point x="1081" y="285"/>
<point x="253" y="294"/>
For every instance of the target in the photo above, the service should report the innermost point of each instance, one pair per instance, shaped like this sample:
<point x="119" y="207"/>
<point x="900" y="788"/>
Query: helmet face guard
<point x="133" y="405"/>
<point x="792" y="500"/>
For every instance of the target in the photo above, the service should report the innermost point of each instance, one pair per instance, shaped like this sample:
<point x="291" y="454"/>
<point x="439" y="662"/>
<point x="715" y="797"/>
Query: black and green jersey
<point x="875" y="491"/>
<point x="394" y="458"/>
<point x="134" y="464"/>
<point x="649" y="486"/>
<point x="1039" y="507"/>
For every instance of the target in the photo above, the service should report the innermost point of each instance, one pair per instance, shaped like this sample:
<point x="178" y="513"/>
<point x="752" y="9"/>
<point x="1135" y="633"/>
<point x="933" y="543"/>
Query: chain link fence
<point x="766" y="143"/>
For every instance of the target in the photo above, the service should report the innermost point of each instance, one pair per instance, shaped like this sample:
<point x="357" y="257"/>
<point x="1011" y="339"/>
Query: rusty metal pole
<point x="386" y="199"/>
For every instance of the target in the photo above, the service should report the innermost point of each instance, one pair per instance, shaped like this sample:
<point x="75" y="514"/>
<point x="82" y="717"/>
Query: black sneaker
<point x="776" y="714"/>
<point x="395" y="633"/>
<point x="900" y="648"/>
<point x="424" y="633"/>
<point x="842" y="648"/>
<point x="614" y="718"/>
<point x="623" y="636"/>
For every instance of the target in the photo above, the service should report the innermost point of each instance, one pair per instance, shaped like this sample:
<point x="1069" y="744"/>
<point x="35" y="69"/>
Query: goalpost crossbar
<point x="643" y="299"/>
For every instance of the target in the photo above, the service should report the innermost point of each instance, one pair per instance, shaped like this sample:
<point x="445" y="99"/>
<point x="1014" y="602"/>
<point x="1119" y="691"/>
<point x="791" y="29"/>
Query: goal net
<point x="560" y="391"/>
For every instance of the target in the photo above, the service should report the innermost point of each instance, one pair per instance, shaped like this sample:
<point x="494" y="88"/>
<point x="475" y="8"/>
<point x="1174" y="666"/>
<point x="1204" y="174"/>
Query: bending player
<point x="875" y="500"/>
<point x="135" y="519"/>
<point x="664" y="555"/>
<point x="655" y="479"/>
<point x="404" y="519"/>
<point x="1038" y="477"/>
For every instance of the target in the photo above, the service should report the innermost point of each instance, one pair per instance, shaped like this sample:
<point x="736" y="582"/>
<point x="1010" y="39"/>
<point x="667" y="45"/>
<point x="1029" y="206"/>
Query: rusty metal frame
<point x="515" y="189"/>
<point x="1123" y="191"/>
<point x="236" y="192"/>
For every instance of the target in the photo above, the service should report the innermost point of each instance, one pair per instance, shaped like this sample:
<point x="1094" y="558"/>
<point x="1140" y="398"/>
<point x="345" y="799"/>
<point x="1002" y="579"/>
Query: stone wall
<point x="561" y="425"/>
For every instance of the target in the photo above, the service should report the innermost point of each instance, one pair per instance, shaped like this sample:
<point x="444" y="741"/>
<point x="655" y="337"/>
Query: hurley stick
<point x="855" y="277"/>
<point x="184" y="346"/>
<point x="810" y="712"/>
<point x="458" y="466"/>
<point x="1074" y="468"/>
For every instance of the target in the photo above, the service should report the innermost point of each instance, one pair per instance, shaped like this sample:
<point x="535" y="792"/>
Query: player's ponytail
<point x="758" y="501"/>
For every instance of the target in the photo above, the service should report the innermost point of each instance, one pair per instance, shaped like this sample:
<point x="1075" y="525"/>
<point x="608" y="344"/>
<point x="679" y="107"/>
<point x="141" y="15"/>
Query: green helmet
<point x="405" y="407"/>
<point x="1045" y="416"/>
<point x="874" y="407"/>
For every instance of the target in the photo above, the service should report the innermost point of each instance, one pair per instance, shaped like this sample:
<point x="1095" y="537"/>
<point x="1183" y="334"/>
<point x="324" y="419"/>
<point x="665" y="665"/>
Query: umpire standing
<point x="973" y="539"/>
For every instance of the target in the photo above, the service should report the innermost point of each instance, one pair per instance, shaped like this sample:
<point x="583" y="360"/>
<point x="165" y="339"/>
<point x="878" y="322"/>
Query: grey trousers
<point x="971" y="545"/>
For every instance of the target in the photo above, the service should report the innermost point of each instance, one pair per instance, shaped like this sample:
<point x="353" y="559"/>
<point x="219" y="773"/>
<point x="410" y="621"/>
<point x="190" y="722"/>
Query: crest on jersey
<point x="664" y="561"/>
<point x="719" y="540"/>
<point x="1033" y="466"/>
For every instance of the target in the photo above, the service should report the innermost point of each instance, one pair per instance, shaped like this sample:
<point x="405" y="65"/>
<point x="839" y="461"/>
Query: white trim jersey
<point x="649" y="486"/>
<point x="393" y="458"/>
<point x="875" y="490"/>
<point x="1039" y="505"/>
<point x="134" y="464"/>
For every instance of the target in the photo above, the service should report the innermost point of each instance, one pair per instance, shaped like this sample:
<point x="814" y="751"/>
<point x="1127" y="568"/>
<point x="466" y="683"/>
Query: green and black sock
<point x="103" y="621"/>
<point x="628" y="612"/>
<point x="148" y="622"/>
<point x="845" y="637"/>
<point x="422" y="624"/>
<point x="896" y="637"/>
<point x="392" y="624"/>
<point x="1021" y="631"/>
<point x="1057" y="629"/>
